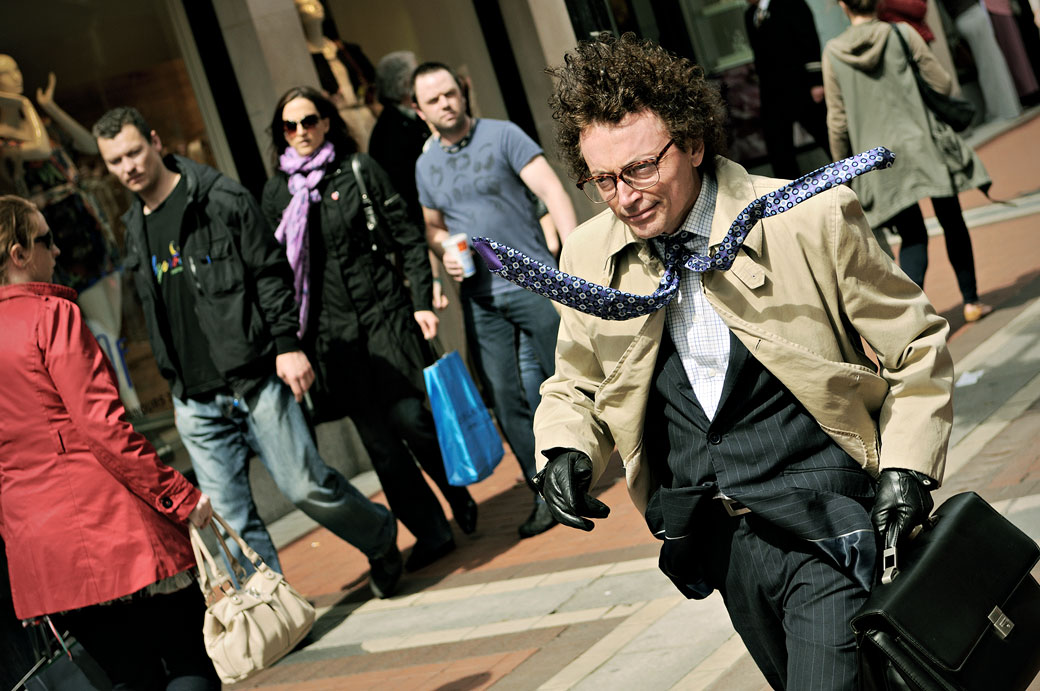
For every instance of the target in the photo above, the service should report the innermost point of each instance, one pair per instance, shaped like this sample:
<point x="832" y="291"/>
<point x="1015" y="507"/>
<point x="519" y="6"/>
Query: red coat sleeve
<point x="86" y="384"/>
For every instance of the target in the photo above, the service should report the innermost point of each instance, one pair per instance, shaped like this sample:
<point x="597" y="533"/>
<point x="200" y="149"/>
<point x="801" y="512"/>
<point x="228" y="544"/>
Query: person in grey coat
<point x="873" y="100"/>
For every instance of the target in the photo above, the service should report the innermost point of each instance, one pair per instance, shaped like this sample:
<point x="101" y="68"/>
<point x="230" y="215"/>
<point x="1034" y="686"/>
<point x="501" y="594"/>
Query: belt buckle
<point x="733" y="507"/>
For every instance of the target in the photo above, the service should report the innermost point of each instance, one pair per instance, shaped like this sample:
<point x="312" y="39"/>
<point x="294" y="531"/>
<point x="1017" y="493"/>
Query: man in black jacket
<point x="787" y="60"/>
<point x="218" y="300"/>
<point x="400" y="134"/>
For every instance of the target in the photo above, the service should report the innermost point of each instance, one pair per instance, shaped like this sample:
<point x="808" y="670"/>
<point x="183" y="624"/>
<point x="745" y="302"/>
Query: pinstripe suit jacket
<point x="809" y="286"/>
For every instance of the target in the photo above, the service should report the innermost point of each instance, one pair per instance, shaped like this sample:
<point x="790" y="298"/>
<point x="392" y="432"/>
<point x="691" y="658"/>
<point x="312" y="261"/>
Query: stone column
<point x="265" y="42"/>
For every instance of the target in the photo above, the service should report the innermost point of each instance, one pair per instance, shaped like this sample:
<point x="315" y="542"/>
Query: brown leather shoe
<point x="974" y="311"/>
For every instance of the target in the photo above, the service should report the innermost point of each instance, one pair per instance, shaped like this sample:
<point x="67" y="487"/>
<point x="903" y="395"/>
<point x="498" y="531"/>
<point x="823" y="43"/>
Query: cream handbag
<point x="253" y="626"/>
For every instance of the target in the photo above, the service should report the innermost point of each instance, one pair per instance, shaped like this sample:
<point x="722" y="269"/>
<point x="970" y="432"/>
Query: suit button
<point x="166" y="502"/>
<point x="715" y="438"/>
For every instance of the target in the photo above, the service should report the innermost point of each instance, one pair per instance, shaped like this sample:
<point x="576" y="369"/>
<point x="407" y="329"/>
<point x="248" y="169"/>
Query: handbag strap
<point x="909" y="55"/>
<point x="204" y="558"/>
<point x="366" y="200"/>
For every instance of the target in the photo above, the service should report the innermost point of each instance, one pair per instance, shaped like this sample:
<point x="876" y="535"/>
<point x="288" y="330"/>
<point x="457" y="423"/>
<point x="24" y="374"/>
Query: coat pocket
<point x="674" y="516"/>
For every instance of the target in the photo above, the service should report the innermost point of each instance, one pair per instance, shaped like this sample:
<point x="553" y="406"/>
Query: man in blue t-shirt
<point x="474" y="180"/>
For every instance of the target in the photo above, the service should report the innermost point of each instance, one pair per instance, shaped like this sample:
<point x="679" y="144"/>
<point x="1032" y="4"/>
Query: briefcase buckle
<point x="1001" y="623"/>
<point x="888" y="563"/>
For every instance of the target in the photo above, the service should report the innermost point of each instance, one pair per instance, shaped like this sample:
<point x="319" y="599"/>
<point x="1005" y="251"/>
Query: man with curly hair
<point x="764" y="447"/>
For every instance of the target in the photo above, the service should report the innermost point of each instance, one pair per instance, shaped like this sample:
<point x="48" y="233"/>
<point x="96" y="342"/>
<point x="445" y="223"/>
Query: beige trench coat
<point x="809" y="283"/>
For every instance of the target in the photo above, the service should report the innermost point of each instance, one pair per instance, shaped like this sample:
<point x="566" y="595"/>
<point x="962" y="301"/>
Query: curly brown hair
<point x="604" y="80"/>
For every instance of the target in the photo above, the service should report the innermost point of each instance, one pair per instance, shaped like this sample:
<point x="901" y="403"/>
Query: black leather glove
<point x="564" y="484"/>
<point x="903" y="502"/>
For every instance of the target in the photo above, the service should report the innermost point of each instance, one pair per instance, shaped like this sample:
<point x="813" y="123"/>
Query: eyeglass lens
<point x="641" y="175"/>
<point x="309" y="122"/>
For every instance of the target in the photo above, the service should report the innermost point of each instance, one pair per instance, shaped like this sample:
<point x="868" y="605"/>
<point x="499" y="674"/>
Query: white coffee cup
<point x="458" y="246"/>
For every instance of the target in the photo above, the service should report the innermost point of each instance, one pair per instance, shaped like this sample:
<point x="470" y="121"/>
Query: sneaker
<point x="538" y="522"/>
<point x="385" y="572"/>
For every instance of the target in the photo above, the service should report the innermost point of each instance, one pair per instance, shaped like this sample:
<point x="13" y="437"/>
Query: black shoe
<point x="466" y="515"/>
<point x="538" y="522"/>
<point x="385" y="572"/>
<point x="423" y="555"/>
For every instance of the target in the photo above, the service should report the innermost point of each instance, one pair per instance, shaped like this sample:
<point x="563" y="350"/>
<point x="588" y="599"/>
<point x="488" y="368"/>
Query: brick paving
<point x="333" y="574"/>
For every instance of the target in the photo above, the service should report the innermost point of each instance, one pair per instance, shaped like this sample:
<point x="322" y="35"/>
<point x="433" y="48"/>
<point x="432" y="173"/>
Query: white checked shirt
<point x="699" y="334"/>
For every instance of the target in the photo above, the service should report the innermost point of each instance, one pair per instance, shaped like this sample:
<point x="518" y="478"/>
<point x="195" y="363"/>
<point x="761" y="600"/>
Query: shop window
<point x="102" y="55"/>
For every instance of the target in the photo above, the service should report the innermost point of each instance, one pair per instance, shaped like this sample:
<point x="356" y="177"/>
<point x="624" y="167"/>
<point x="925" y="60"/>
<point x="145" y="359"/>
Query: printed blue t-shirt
<point x="480" y="193"/>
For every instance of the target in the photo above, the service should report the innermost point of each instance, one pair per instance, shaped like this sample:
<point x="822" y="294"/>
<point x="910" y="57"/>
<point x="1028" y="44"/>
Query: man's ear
<point x="697" y="153"/>
<point x="419" y="111"/>
<point x="155" y="141"/>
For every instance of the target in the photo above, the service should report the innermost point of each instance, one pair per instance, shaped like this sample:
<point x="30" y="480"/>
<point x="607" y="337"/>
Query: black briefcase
<point x="962" y="610"/>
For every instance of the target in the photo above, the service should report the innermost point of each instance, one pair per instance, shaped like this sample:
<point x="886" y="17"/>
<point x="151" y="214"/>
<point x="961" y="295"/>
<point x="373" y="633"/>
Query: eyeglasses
<point x="47" y="240"/>
<point x="640" y="175"/>
<point x="309" y="123"/>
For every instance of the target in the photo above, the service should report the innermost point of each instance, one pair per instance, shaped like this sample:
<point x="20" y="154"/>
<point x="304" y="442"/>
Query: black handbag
<point x="962" y="611"/>
<point x="955" y="112"/>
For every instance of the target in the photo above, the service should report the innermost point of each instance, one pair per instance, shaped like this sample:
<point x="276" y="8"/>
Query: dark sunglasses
<point x="47" y="240"/>
<point x="309" y="123"/>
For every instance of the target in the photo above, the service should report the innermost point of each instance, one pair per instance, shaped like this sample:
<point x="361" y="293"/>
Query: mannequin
<point x="327" y="53"/>
<point x="40" y="168"/>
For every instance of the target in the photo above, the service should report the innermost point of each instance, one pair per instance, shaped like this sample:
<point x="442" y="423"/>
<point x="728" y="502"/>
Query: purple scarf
<point x="304" y="176"/>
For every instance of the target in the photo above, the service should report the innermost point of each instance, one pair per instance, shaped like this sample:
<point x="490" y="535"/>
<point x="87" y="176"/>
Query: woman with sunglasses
<point x="359" y="322"/>
<point x="94" y="523"/>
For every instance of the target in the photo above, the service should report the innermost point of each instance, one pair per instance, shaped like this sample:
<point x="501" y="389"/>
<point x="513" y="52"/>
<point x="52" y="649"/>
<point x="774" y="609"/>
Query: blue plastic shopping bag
<point x="469" y="441"/>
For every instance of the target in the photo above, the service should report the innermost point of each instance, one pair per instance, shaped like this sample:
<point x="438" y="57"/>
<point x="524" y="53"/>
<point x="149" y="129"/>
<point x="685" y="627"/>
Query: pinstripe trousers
<point x="790" y="607"/>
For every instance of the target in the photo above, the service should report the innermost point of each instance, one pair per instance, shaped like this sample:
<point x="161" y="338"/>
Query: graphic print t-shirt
<point x="479" y="191"/>
<point x="190" y="349"/>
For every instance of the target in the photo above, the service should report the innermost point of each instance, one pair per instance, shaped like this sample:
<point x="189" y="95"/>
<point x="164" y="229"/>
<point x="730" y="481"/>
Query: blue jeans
<point x="513" y="336"/>
<point x="220" y="435"/>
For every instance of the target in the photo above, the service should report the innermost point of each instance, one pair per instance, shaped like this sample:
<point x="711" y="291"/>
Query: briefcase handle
<point x="889" y="560"/>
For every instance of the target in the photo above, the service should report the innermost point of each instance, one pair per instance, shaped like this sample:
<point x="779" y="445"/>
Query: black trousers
<point x="397" y="433"/>
<point x="790" y="606"/>
<point x="913" y="252"/>
<point x="148" y="643"/>
<point x="779" y="113"/>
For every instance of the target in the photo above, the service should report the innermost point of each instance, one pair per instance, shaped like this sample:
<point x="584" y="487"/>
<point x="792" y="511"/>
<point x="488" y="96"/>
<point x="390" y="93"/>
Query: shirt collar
<point x="698" y="221"/>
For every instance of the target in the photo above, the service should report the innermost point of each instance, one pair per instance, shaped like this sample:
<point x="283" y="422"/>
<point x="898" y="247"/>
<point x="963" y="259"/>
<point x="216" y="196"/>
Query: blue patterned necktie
<point x="610" y="303"/>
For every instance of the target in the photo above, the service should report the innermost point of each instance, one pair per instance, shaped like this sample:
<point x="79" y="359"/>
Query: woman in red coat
<point x="94" y="523"/>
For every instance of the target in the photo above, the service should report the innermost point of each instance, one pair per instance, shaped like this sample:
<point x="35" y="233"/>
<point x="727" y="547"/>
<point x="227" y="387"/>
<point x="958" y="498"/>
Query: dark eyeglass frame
<point x="291" y="127"/>
<point x="655" y="160"/>
<point x="47" y="240"/>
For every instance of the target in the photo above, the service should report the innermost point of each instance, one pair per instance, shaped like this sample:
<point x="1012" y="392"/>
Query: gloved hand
<point x="903" y="501"/>
<point x="564" y="484"/>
